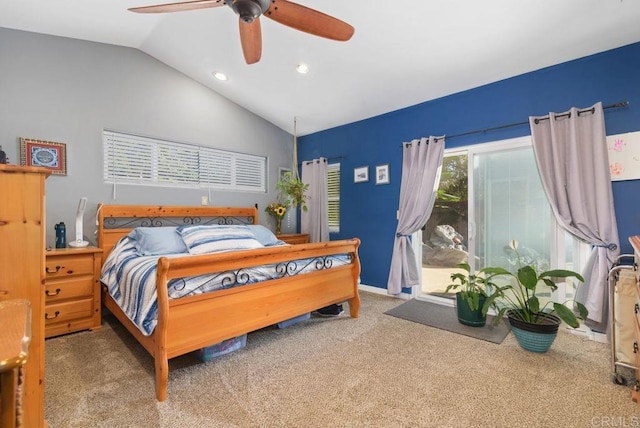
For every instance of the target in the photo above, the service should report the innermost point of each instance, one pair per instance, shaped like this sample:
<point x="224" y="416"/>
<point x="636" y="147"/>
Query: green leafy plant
<point x="293" y="190"/>
<point x="472" y="286"/>
<point x="523" y="302"/>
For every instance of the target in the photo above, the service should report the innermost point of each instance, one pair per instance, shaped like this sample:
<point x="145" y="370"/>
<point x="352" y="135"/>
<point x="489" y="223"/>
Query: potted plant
<point x="293" y="189"/>
<point x="477" y="294"/>
<point x="534" y="326"/>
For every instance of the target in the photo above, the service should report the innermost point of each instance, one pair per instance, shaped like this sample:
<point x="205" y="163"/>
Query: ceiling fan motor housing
<point x="248" y="10"/>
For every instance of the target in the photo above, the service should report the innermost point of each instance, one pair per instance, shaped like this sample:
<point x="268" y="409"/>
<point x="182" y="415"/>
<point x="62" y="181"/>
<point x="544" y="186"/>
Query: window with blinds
<point x="333" y="193"/>
<point x="131" y="159"/>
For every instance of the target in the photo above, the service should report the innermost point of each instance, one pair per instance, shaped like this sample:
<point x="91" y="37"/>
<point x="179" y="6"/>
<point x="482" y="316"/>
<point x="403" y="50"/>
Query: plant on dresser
<point x="72" y="290"/>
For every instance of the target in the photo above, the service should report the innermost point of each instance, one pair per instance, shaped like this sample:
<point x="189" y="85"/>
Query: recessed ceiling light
<point x="302" y="68"/>
<point x="219" y="75"/>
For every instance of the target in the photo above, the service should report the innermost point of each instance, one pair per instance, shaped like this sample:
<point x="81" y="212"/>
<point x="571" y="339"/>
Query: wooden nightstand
<point x="294" y="238"/>
<point x="72" y="290"/>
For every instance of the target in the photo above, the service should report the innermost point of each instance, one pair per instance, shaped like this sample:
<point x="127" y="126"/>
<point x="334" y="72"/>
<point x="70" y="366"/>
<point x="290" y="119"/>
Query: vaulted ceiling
<point x="402" y="52"/>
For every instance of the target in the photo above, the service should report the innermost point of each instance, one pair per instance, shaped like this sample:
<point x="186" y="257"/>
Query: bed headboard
<point x="116" y="221"/>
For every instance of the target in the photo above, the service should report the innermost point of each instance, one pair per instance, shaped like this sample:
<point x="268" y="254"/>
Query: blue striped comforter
<point x="131" y="280"/>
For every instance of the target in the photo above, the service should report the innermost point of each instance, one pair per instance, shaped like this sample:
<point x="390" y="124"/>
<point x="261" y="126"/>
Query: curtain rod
<point x="510" y="125"/>
<point x="328" y="159"/>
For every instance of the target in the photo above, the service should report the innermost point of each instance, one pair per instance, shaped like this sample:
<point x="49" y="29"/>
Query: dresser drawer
<point x="67" y="288"/>
<point x="65" y="311"/>
<point x="58" y="267"/>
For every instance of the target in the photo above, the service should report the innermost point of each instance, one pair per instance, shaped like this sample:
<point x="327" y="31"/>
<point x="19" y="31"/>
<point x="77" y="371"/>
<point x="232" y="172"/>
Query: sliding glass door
<point x="508" y="203"/>
<point x="490" y="194"/>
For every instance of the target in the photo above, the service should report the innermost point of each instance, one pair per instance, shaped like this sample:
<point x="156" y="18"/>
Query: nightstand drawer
<point x="57" y="267"/>
<point x="294" y="238"/>
<point x="66" y="311"/>
<point x="72" y="290"/>
<point x="66" y="288"/>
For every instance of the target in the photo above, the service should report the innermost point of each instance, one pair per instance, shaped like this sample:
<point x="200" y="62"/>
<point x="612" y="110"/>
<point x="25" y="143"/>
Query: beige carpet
<point x="374" y="371"/>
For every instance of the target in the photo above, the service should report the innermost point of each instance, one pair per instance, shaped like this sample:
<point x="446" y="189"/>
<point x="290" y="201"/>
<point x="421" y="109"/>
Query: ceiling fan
<point x="285" y="12"/>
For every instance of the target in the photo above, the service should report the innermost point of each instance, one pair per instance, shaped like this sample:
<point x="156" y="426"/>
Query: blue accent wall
<point x="368" y="211"/>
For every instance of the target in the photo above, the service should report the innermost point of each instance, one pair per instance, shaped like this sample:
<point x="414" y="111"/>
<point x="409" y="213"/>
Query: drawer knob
<point x="54" y="271"/>
<point x="635" y="266"/>
<point x="635" y="347"/>
<point x="49" y="293"/>
<point x="636" y="308"/>
<point x="47" y="317"/>
<point x="3" y="292"/>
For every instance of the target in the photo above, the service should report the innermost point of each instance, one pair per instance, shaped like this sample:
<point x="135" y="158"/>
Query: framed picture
<point x="282" y="171"/>
<point x="382" y="174"/>
<point x="361" y="174"/>
<point x="45" y="154"/>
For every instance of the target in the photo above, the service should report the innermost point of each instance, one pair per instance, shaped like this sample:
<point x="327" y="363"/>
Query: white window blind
<point x="333" y="196"/>
<point x="131" y="159"/>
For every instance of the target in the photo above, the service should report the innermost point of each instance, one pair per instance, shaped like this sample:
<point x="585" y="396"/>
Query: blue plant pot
<point x="535" y="337"/>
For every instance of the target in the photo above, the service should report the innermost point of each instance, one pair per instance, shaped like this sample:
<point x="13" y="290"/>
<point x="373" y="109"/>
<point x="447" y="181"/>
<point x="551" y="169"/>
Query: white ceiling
<point x="402" y="52"/>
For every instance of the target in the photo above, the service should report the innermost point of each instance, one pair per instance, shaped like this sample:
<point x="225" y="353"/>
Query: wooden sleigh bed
<point x="193" y="322"/>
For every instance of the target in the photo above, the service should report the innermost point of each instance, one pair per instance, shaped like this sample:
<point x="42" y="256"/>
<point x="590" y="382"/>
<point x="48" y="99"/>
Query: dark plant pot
<point x="470" y="317"/>
<point x="535" y="337"/>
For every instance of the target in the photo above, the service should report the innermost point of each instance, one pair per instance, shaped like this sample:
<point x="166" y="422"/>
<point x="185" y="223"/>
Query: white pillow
<point x="155" y="241"/>
<point x="217" y="238"/>
<point x="264" y="235"/>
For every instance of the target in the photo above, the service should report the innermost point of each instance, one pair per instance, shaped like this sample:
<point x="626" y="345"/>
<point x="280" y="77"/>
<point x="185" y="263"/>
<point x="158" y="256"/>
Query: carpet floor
<point x="373" y="371"/>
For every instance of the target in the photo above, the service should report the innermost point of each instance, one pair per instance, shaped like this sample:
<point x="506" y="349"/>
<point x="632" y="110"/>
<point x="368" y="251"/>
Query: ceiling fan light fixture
<point x="249" y="10"/>
<point x="220" y="75"/>
<point x="302" y="68"/>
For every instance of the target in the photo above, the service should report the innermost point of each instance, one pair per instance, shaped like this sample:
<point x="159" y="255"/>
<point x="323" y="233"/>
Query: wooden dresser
<point x="15" y="335"/>
<point x="294" y="238"/>
<point x="22" y="234"/>
<point x="72" y="290"/>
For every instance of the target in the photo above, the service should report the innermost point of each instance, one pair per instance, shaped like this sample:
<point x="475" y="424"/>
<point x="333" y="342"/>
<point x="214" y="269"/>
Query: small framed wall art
<point x="45" y="154"/>
<point x="361" y="174"/>
<point x="282" y="172"/>
<point x="382" y="174"/>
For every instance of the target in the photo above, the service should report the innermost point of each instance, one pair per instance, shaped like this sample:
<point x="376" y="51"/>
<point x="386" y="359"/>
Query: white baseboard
<point x="382" y="291"/>
<point x="585" y="331"/>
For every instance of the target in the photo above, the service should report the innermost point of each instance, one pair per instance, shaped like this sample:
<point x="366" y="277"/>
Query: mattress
<point x="130" y="279"/>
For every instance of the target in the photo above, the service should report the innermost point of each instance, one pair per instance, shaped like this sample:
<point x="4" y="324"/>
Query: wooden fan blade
<point x="178" y="7"/>
<point x="309" y="20"/>
<point x="251" y="39"/>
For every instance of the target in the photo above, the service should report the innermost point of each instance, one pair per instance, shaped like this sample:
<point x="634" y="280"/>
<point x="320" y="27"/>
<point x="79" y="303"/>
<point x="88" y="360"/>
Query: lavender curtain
<point x="421" y="166"/>
<point x="571" y="153"/>
<point x="315" y="221"/>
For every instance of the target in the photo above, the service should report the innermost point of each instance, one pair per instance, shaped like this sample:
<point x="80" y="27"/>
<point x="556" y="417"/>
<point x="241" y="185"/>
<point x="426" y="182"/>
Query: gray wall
<point x="67" y="90"/>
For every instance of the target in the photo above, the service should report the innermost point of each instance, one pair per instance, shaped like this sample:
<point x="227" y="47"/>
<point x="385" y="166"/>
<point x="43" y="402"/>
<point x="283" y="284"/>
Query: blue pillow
<point x="155" y="241"/>
<point x="264" y="235"/>
<point x="213" y="239"/>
